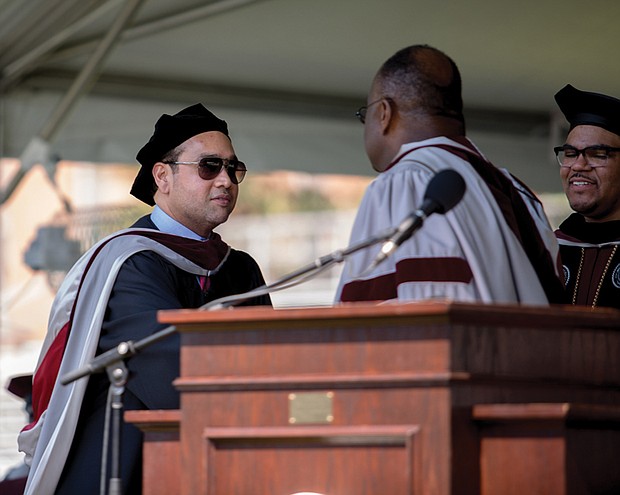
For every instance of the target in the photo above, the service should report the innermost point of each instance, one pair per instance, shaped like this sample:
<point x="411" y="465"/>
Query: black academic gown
<point x="592" y="266"/>
<point x="146" y="283"/>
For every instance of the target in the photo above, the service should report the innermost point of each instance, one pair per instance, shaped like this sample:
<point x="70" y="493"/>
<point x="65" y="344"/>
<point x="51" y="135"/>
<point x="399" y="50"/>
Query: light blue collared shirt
<point x="165" y="223"/>
<point x="169" y="225"/>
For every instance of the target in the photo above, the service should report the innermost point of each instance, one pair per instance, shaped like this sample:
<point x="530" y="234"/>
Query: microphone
<point x="443" y="192"/>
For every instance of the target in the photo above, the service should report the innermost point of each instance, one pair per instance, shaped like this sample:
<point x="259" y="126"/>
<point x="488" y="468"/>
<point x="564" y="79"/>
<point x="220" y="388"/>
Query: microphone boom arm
<point x="129" y="348"/>
<point x="313" y="268"/>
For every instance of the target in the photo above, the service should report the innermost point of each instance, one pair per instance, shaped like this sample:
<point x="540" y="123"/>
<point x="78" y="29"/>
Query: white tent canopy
<point x="90" y="77"/>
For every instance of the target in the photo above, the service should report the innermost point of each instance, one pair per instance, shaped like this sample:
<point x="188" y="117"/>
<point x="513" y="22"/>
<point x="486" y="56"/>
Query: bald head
<point x="424" y="80"/>
<point x="415" y="95"/>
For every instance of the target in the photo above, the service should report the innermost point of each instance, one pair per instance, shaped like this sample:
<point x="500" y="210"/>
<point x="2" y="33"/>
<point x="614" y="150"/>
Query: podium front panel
<point x="418" y="367"/>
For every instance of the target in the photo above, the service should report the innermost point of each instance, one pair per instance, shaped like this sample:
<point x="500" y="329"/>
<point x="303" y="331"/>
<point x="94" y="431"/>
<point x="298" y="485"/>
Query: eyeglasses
<point x="209" y="168"/>
<point x="361" y="113"/>
<point x="596" y="156"/>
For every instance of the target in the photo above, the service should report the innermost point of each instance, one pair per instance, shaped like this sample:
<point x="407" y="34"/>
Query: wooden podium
<point x="421" y="398"/>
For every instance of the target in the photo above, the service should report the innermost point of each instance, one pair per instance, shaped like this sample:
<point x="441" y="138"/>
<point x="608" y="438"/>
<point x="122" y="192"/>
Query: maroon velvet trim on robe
<point x="410" y="270"/>
<point x="206" y="254"/>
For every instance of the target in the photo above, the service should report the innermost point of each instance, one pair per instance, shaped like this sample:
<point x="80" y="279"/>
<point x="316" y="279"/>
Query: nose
<point x="223" y="179"/>
<point x="581" y="161"/>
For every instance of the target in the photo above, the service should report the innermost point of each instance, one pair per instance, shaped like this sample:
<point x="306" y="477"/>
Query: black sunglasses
<point x="209" y="168"/>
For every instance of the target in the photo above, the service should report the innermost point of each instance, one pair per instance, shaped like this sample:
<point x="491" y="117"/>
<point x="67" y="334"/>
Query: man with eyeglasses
<point x="590" y="172"/>
<point x="170" y="259"/>
<point x="495" y="246"/>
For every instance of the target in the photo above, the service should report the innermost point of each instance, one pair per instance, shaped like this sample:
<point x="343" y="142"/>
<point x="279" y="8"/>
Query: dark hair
<point x="172" y="156"/>
<point x="169" y="156"/>
<point x="423" y="78"/>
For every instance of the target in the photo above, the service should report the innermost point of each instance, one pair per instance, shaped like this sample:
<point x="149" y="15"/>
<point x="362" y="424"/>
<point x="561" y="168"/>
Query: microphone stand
<point x="113" y="360"/>
<point x="118" y="375"/>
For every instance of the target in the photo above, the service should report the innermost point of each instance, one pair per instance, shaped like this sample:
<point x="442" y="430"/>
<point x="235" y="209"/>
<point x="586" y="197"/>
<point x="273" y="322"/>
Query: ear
<point x="386" y="115"/>
<point x="161" y="174"/>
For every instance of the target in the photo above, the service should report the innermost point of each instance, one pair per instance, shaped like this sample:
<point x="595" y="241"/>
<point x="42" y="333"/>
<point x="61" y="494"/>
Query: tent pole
<point x="37" y="150"/>
<point x="16" y="68"/>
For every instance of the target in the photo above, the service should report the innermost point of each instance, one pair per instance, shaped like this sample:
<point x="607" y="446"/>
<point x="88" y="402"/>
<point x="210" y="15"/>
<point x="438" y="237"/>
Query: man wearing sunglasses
<point x="170" y="259"/>
<point x="590" y="172"/>
<point x="495" y="246"/>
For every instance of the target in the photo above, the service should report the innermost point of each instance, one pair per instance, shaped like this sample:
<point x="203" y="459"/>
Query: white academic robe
<point x="468" y="254"/>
